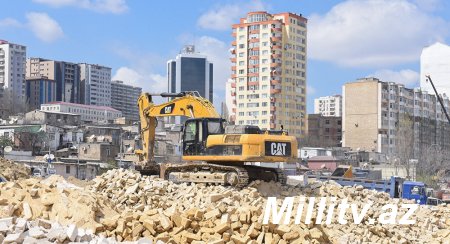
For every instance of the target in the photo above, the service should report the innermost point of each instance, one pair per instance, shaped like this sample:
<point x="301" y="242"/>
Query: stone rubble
<point x="123" y="206"/>
<point x="10" y="170"/>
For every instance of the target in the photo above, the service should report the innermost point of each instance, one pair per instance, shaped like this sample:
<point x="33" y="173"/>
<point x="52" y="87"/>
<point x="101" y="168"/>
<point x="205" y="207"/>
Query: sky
<point x="347" y="40"/>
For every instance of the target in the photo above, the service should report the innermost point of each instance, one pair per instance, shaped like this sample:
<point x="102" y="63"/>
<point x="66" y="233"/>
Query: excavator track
<point x="237" y="176"/>
<point x="207" y="173"/>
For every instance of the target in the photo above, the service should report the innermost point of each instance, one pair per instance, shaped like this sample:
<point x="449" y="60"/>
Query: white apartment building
<point x="269" y="71"/>
<point x="95" y="84"/>
<point x="435" y="61"/>
<point x="88" y="113"/>
<point x="12" y="74"/>
<point x="328" y="106"/>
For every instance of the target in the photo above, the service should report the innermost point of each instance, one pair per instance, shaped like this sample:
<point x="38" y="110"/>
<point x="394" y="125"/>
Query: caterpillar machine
<point x="213" y="152"/>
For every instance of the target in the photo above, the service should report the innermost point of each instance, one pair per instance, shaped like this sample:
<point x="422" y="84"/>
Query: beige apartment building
<point x="372" y="110"/>
<point x="268" y="81"/>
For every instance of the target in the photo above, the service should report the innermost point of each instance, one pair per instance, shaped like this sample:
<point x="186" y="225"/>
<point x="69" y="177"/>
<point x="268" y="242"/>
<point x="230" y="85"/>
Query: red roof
<point x="85" y="106"/>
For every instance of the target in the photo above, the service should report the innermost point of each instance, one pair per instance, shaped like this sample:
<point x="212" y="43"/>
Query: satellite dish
<point x="7" y="149"/>
<point x="130" y="149"/>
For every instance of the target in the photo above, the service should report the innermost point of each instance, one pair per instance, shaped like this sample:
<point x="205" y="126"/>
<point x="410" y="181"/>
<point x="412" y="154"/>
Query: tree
<point x="30" y="139"/>
<point x="4" y="142"/>
<point x="404" y="144"/>
<point x="434" y="161"/>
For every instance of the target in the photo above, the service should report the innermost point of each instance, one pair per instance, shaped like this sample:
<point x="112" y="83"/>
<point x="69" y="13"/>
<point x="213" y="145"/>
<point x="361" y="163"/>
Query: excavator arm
<point x="188" y="104"/>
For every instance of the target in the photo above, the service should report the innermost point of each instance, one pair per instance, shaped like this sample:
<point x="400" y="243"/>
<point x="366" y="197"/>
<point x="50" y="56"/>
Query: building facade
<point x="328" y="106"/>
<point x="89" y="113"/>
<point x="12" y="76"/>
<point x="66" y="75"/>
<point x="269" y="71"/>
<point x="40" y="90"/>
<point x="373" y="110"/>
<point x="190" y="71"/>
<point x="95" y="85"/>
<point x="435" y="61"/>
<point x="324" y="131"/>
<point x="124" y="98"/>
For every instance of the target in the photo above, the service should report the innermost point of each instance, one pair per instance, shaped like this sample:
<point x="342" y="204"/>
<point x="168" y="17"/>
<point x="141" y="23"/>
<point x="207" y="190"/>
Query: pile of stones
<point x="123" y="205"/>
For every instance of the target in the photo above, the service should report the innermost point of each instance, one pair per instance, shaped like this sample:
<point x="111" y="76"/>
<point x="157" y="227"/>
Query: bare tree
<point x="404" y="143"/>
<point x="434" y="161"/>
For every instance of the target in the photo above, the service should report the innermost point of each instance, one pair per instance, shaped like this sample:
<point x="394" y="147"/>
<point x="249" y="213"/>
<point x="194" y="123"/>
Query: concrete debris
<point x="122" y="205"/>
<point x="10" y="170"/>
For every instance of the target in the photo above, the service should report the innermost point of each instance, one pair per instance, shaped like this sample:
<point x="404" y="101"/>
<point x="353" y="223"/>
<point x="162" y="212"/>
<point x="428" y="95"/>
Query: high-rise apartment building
<point x="65" y="74"/>
<point x="269" y="71"/>
<point x="373" y="111"/>
<point x="95" y="84"/>
<point x="191" y="71"/>
<point x="12" y="76"/>
<point x="40" y="90"/>
<point x="435" y="61"/>
<point x="328" y="106"/>
<point x="124" y="98"/>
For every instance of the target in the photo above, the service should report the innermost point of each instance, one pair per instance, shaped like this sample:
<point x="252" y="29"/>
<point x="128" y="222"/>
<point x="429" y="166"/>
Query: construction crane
<point x="213" y="151"/>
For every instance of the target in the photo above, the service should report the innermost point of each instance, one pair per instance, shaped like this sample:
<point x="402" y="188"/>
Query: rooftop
<point x="82" y="106"/>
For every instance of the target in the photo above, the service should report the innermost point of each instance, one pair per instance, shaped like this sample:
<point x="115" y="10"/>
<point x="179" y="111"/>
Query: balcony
<point x="253" y="83"/>
<point x="273" y="108"/>
<point x="233" y="43"/>
<point x="253" y="74"/>
<point x="275" y="82"/>
<point x="275" y="90"/>
<point x="233" y="93"/>
<point x="276" y="47"/>
<point x="275" y="56"/>
<point x="254" y="31"/>
<point x="233" y="60"/>
<point x="233" y="85"/>
<point x="233" y="34"/>
<point x="233" y="110"/>
<point x="275" y="39"/>
<point x="233" y="68"/>
<point x="276" y="29"/>
<point x="272" y="126"/>
<point x="233" y="76"/>
<point x="254" y="57"/>
<point x="254" y="40"/>
<point x="254" y="48"/>
<point x="275" y="65"/>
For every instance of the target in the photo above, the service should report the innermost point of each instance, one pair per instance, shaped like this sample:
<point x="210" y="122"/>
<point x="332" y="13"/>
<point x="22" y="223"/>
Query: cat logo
<point x="278" y="148"/>
<point x="167" y="109"/>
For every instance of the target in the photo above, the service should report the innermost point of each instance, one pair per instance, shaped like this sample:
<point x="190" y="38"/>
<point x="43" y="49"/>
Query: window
<point x="241" y="54"/>
<point x="327" y="122"/>
<point x="67" y="169"/>
<point x="241" y="62"/>
<point x="241" y="88"/>
<point x="264" y="112"/>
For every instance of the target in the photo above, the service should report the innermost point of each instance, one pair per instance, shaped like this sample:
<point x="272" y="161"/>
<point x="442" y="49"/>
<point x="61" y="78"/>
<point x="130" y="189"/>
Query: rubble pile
<point x="125" y="206"/>
<point x="13" y="171"/>
<point x="52" y="199"/>
<point x="18" y="230"/>
<point x="185" y="213"/>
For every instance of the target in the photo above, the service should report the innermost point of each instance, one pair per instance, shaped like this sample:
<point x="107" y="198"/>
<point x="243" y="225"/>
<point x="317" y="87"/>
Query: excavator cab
<point x="196" y="131"/>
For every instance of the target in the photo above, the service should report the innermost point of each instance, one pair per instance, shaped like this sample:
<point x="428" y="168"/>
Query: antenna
<point x="7" y="149"/>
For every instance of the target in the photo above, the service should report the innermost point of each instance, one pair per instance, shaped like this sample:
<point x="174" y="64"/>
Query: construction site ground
<point x="124" y="206"/>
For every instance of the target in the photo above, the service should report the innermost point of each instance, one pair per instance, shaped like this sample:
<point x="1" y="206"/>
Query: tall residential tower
<point x="269" y="71"/>
<point x="12" y="76"/>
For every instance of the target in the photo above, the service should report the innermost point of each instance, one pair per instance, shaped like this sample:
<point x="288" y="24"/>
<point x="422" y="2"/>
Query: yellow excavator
<point x="213" y="151"/>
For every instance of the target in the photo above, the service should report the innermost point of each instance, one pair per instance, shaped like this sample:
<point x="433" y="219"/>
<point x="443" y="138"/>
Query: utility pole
<point x="439" y="98"/>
